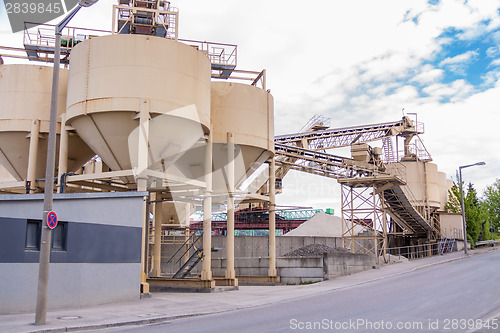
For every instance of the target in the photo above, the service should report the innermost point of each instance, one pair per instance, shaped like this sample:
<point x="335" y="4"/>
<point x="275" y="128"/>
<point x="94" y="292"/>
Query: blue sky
<point x="360" y="62"/>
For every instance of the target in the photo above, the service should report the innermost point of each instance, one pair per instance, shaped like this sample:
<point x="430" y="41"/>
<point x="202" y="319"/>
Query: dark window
<point x="33" y="235"/>
<point x="59" y="236"/>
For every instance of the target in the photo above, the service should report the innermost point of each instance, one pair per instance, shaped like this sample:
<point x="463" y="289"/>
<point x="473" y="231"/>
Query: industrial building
<point x="152" y="128"/>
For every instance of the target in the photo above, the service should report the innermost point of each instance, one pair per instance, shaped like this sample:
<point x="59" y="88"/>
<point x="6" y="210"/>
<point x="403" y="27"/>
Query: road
<point x="460" y="296"/>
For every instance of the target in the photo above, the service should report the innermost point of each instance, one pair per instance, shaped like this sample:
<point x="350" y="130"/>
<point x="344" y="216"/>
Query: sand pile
<point x="315" y="250"/>
<point x="321" y="225"/>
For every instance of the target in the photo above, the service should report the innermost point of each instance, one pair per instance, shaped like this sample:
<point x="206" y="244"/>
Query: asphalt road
<point x="460" y="296"/>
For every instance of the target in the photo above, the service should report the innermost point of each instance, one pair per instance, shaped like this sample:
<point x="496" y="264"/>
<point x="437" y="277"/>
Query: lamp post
<point x="462" y="200"/>
<point x="43" y="268"/>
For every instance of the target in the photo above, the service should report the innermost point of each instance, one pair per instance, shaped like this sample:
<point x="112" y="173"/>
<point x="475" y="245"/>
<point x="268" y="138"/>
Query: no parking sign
<point x="52" y="220"/>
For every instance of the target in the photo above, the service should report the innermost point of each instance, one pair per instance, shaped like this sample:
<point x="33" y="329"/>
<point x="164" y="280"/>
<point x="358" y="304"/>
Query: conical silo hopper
<point x="5" y="175"/>
<point x="25" y="96"/>
<point x="114" y="78"/>
<point x="245" y="111"/>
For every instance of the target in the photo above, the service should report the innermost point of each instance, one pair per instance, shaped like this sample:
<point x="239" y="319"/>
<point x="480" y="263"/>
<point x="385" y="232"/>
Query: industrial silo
<point x="114" y="78"/>
<point x="25" y="96"/>
<point x="247" y="112"/>
<point x="443" y="189"/>
<point x="422" y="182"/>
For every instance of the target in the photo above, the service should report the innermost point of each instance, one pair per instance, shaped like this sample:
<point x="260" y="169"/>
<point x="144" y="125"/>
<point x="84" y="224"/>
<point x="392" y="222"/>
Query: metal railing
<point x="175" y="262"/>
<point x="218" y="53"/>
<point x="422" y="250"/>
<point x="42" y="35"/>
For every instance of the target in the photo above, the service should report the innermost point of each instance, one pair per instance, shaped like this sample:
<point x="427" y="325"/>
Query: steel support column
<point x="230" y="272"/>
<point x="158" y="220"/>
<point x="206" y="273"/>
<point x="272" y="219"/>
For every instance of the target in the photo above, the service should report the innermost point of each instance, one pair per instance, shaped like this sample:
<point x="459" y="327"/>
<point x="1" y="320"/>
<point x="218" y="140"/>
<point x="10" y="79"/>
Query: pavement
<point x="168" y="306"/>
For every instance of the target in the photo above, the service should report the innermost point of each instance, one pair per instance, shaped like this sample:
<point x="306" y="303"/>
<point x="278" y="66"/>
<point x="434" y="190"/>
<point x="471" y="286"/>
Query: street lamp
<point x="43" y="268"/>
<point x="462" y="200"/>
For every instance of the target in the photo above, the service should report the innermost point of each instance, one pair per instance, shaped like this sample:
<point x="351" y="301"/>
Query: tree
<point x="492" y="203"/>
<point x="453" y="205"/>
<point x="476" y="214"/>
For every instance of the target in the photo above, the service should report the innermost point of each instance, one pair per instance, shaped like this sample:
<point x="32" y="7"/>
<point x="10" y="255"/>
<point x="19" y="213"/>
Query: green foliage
<point x="477" y="213"/>
<point x="492" y="203"/>
<point x="453" y="205"/>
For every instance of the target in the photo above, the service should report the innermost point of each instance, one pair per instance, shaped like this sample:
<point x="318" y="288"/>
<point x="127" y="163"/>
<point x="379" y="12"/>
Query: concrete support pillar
<point x="33" y="154"/>
<point x="143" y="144"/>
<point x="206" y="272"/>
<point x="272" y="219"/>
<point x="158" y="220"/>
<point x="375" y="219"/>
<point x="230" y="272"/>
<point x="142" y="185"/>
<point x="63" y="153"/>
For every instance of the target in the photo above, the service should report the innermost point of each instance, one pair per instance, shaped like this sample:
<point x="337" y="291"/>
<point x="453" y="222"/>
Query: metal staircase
<point x="192" y="247"/>
<point x="189" y="265"/>
<point x="446" y="245"/>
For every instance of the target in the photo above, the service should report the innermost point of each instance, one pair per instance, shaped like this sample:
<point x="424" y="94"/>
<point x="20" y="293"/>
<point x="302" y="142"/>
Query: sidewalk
<point x="168" y="306"/>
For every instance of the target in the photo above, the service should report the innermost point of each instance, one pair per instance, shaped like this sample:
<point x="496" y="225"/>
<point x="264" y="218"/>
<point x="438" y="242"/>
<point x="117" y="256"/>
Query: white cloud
<point x="458" y="64"/>
<point x="461" y="58"/>
<point x="428" y="74"/>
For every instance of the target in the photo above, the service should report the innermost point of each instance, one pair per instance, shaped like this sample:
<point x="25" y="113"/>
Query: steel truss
<point x="364" y="221"/>
<point x="343" y="137"/>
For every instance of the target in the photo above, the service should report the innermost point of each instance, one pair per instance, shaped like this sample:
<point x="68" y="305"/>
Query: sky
<point x="360" y="62"/>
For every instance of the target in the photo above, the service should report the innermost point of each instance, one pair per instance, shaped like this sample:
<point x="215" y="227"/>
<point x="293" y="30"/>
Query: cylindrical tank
<point x="443" y="189"/>
<point x="433" y="190"/>
<point x="25" y="96"/>
<point x="112" y="78"/>
<point x="422" y="181"/>
<point x="245" y="111"/>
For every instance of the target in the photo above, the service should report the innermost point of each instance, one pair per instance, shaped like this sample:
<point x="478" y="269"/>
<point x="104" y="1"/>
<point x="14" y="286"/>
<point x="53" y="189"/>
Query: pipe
<point x="33" y="155"/>
<point x="63" y="154"/>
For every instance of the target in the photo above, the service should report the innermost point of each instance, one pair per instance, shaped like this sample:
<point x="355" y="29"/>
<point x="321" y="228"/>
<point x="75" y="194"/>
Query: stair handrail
<point x="181" y="247"/>
<point x="190" y="247"/>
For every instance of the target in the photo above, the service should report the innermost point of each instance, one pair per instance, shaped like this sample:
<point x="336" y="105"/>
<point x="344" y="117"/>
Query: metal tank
<point x="443" y="189"/>
<point x="25" y="96"/>
<point x="245" y="111"/>
<point x="114" y="78"/>
<point x="422" y="181"/>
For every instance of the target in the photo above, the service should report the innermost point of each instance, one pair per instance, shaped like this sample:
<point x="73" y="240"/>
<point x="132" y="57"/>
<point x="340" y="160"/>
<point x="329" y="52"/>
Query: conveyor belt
<point x="343" y="137"/>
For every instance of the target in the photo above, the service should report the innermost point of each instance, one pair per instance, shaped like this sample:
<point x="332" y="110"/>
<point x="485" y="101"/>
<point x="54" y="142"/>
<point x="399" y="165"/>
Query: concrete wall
<point x="336" y="265"/>
<point x="99" y="264"/>
<point x="451" y="225"/>
<point x="249" y="247"/>
<point x="297" y="270"/>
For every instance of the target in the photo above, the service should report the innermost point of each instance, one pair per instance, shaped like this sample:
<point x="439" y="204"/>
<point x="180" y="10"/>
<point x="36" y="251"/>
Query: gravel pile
<point x="315" y="250"/>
